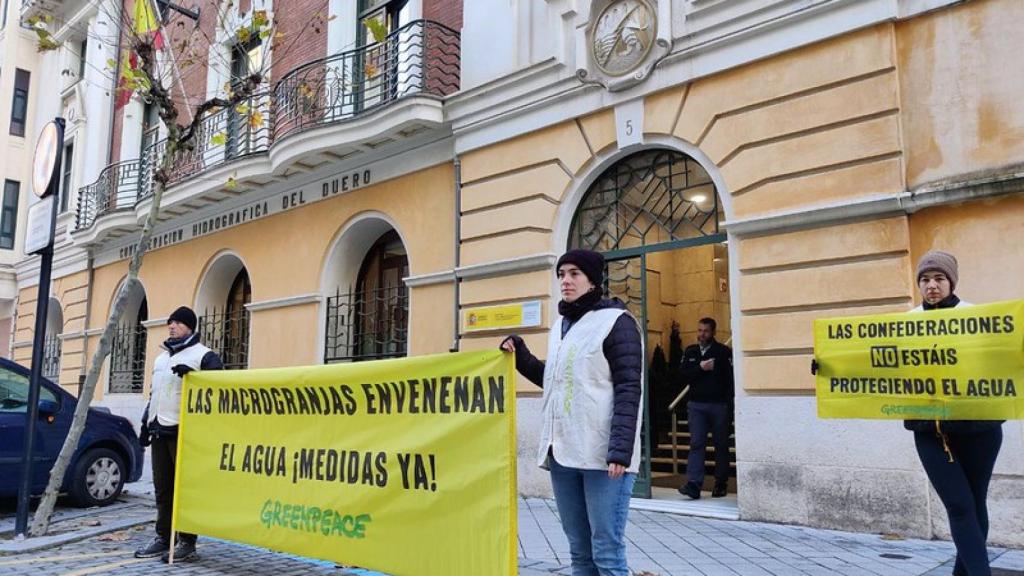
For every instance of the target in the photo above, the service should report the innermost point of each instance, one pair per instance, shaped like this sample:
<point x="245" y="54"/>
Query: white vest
<point x="165" y="402"/>
<point x="579" y="395"/>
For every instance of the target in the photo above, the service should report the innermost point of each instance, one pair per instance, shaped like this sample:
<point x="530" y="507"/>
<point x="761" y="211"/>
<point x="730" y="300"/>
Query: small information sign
<point x="39" y="231"/>
<point x="520" y="315"/>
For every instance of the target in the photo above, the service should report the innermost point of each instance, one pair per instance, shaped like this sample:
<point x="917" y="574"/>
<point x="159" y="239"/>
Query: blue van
<point x="109" y="454"/>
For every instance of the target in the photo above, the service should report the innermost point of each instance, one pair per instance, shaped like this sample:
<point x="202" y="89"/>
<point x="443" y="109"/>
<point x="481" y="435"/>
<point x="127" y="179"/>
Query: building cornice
<point x="549" y="92"/>
<point x="299" y="300"/>
<point x="963" y="188"/>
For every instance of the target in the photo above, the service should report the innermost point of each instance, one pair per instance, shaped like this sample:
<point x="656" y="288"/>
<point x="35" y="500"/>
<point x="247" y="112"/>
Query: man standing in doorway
<point x="182" y="354"/>
<point x="707" y="368"/>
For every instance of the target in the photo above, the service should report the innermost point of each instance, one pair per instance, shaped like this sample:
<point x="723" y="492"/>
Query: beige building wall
<point x="803" y="138"/>
<point x="285" y="255"/>
<point x="961" y="90"/>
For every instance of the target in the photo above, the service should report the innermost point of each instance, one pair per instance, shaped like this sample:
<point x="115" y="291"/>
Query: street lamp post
<point x="42" y="219"/>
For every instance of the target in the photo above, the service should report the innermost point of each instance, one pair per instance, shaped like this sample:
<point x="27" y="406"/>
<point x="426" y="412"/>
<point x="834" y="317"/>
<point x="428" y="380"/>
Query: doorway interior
<point x="656" y="217"/>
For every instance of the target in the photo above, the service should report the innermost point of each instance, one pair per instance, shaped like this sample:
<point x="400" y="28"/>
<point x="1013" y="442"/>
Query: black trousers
<point x="962" y="486"/>
<point x="165" y="451"/>
<point x="707" y="417"/>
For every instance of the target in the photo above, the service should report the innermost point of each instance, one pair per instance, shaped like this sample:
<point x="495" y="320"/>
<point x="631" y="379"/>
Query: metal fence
<point x="367" y="325"/>
<point x="421" y="58"/>
<point x="128" y="359"/>
<point x="227" y="334"/>
<point x="51" y="357"/>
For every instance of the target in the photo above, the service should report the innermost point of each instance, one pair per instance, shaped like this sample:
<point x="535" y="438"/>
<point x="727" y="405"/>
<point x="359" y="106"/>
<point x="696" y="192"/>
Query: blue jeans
<point x="962" y="485"/>
<point x="593" y="510"/>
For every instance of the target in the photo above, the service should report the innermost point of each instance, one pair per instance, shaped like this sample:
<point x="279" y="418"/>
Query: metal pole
<point x="38" y="343"/>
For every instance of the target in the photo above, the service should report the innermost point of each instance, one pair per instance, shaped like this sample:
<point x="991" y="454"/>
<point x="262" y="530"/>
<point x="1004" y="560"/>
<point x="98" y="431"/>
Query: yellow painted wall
<point x="813" y="127"/>
<point x="70" y="291"/>
<point x="972" y="232"/>
<point x="961" y="88"/>
<point x="285" y="256"/>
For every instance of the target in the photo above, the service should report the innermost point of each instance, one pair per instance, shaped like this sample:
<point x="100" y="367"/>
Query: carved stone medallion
<point x="624" y="41"/>
<point x="623" y="36"/>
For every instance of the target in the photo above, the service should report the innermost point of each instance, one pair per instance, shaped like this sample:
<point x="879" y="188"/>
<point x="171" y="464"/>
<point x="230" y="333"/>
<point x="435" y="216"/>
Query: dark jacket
<point x="623" y="350"/>
<point x="950" y="426"/>
<point x="715" y="385"/>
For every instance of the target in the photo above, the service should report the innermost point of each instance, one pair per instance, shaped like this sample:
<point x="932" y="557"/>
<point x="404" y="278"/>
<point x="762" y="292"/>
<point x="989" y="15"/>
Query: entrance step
<point x="670" y="501"/>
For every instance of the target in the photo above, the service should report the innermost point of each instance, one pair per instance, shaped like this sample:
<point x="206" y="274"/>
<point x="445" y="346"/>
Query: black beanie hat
<point x="590" y="263"/>
<point x="184" y="315"/>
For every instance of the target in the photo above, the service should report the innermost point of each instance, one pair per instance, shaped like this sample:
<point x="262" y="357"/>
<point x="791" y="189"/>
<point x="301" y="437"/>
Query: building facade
<point x="19" y="88"/>
<point x="762" y="162"/>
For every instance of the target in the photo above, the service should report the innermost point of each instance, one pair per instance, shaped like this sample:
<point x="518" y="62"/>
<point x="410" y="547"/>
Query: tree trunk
<point x="41" y="520"/>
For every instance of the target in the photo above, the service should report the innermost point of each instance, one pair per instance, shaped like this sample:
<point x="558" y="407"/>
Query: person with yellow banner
<point x="958" y="455"/>
<point x="593" y="391"/>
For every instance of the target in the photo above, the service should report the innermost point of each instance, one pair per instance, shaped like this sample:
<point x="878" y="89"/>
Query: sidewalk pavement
<point x="659" y="543"/>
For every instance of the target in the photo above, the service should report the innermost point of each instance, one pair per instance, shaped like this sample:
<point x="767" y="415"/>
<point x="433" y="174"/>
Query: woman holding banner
<point x="590" y="439"/>
<point x="958" y="455"/>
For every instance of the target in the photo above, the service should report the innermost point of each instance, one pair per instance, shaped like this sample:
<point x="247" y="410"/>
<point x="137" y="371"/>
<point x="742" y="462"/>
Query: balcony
<point x="334" y="108"/>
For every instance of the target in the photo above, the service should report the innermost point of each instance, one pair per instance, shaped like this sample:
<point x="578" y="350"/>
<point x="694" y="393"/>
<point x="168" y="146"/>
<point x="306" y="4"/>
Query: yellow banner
<point x="403" y="466"/>
<point x="964" y="363"/>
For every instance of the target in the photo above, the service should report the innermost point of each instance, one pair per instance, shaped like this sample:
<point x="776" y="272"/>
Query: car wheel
<point x="99" y="478"/>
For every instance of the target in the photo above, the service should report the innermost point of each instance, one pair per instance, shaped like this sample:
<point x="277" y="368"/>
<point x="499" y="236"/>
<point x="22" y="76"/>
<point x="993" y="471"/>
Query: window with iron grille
<point x="128" y="355"/>
<point x="372" y="321"/>
<point x="226" y="330"/>
<point x="51" y="357"/>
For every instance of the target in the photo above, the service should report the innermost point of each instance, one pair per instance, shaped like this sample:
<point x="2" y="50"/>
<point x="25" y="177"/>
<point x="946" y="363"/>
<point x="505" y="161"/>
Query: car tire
<point x="98" y="478"/>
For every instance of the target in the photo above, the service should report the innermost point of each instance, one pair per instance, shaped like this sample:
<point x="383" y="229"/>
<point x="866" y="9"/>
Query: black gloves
<point x="181" y="369"/>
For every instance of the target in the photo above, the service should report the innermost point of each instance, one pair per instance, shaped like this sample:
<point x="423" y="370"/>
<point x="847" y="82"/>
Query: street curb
<point x="11" y="547"/>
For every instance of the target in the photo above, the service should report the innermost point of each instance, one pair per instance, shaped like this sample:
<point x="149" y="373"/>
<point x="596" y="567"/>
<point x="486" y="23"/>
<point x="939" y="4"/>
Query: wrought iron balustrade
<point x="421" y="58"/>
<point x="367" y="325"/>
<point x="227" y="334"/>
<point x="116" y="188"/>
<point x="128" y="359"/>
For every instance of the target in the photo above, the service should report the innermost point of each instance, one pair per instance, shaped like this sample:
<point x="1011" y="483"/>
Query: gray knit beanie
<point x="939" y="261"/>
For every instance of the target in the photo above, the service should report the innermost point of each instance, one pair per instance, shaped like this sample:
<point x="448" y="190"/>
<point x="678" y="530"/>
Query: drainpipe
<point x="113" y="100"/>
<point x="458" y="232"/>
<point x="85" y="329"/>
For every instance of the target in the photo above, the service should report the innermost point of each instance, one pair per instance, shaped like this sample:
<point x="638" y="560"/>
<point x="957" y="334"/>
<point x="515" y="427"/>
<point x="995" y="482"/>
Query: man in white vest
<point x="182" y="354"/>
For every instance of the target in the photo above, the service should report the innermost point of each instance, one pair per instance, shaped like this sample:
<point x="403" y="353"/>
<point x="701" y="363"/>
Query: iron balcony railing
<point x="117" y="188"/>
<point x="367" y="325"/>
<point x="420" y="59"/>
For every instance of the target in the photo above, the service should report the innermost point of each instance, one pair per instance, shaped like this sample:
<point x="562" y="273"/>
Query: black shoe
<point x="155" y="548"/>
<point x="183" y="552"/>
<point x="690" y="489"/>
<point x="720" y="491"/>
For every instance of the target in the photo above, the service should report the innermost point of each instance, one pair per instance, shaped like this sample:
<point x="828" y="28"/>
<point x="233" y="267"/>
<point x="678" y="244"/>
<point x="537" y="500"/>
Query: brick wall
<point x="447" y="12"/>
<point x="304" y="24"/>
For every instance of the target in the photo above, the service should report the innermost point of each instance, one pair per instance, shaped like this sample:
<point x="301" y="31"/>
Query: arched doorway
<point x="367" y="308"/>
<point x="656" y="217"/>
<point x="128" y="346"/>
<point x="51" y="341"/>
<point x="221" y="305"/>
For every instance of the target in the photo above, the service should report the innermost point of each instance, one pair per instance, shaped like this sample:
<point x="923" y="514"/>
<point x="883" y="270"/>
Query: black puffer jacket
<point x="623" y="350"/>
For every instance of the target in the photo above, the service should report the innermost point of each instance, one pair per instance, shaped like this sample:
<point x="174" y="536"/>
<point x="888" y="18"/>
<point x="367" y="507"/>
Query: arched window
<point x="371" y="321"/>
<point x="128" y="346"/>
<point x="235" y="351"/>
